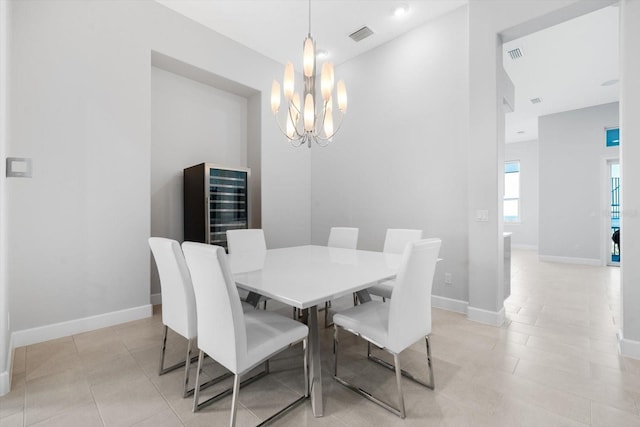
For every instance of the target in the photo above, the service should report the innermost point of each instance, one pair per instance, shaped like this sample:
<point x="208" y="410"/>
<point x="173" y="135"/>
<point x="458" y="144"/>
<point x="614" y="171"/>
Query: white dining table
<point x="307" y="276"/>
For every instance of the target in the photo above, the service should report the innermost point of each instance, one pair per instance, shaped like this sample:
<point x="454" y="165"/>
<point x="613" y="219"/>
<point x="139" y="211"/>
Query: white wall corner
<point x="627" y="347"/>
<point x="156" y="299"/>
<point x="493" y="318"/>
<point x="449" y="304"/>
<point x="77" y="326"/>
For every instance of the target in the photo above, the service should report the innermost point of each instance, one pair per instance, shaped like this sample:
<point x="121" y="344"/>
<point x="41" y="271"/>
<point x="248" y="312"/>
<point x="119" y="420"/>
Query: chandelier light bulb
<point x="326" y="80"/>
<point x="342" y="96"/>
<point x="275" y="96"/>
<point x="288" y="81"/>
<point x="291" y="130"/>
<point x="328" y="119"/>
<point x="309" y="57"/>
<point x="309" y="114"/>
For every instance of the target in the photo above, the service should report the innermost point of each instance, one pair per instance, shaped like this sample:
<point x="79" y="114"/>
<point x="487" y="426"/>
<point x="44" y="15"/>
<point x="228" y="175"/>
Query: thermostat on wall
<point x="18" y="167"/>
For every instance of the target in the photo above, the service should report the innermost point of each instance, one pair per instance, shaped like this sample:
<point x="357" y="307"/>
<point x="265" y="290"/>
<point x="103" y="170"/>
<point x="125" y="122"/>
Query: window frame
<point x="518" y="218"/>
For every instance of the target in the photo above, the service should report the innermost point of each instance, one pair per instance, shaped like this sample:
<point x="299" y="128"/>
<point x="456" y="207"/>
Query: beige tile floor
<point x="553" y="363"/>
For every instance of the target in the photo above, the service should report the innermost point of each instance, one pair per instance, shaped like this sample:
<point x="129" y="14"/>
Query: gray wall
<point x="525" y="232"/>
<point x="409" y="170"/>
<point x="5" y="332"/>
<point x="191" y="123"/>
<point x="79" y="227"/>
<point x="572" y="160"/>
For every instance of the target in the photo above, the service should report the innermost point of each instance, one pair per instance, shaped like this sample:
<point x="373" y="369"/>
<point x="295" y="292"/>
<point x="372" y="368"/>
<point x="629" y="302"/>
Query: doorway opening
<point x="613" y="253"/>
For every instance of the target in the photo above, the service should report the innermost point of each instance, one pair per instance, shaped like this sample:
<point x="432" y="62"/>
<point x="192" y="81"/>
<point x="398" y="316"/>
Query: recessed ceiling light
<point x="609" y="82"/>
<point x="400" y="9"/>
<point x="322" y="54"/>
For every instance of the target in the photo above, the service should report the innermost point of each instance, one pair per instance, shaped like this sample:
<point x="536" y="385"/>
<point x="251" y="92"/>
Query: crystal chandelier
<point x="305" y="123"/>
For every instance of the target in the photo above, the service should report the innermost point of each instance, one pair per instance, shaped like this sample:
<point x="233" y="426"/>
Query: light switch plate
<point x="18" y="167"/>
<point x="482" y="215"/>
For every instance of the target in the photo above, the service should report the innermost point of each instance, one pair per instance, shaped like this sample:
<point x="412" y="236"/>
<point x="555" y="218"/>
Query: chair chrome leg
<point x="327" y="304"/>
<point x="396" y="360"/>
<point x="335" y="351"/>
<point x="305" y="349"/>
<point x="406" y="374"/>
<point x="400" y="411"/>
<point x="234" y="401"/>
<point x="164" y="347"/>
<point x="171" y="368"/>
<point x="226" y="392"/>
<point x="196" y="388"/>
<point x="432" y="383"/>
<point x="187" y="365"/>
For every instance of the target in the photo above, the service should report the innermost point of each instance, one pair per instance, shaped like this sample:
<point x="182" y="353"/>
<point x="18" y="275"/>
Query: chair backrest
<point x="222" y="334"/>
<point x="246" y="240"/>
<point x="178" y="300"/>
<point x="397" y="238"/>
<point x="410" y="307"/>
<point x="343" y="237"/>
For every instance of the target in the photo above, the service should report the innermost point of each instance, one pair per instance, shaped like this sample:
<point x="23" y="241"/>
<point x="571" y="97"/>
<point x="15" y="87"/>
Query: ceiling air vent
<point x="515" y="53"/>
<point x="536" y="100"/>
<point x="361" y="34"/>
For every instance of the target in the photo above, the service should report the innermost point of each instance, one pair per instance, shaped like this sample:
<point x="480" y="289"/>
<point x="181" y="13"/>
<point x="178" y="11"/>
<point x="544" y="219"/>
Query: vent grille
<point x="536" y="100"/>
<point x="361" y="34"/>
<point x="515" y="53"/>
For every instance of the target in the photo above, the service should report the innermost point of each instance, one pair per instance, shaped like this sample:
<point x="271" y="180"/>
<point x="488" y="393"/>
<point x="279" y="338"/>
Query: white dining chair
<point x="394" y="243"/>
<point x="397" y="323"/>
<point x="238" y="341"/>
<point x="345" y="238"/>
<point x="178" y="303"/>
<point x="251" y="243"/>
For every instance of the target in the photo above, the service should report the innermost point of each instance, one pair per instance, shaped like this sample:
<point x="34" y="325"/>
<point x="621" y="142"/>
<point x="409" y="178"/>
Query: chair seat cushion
<point x="370" y="320"/>
<point x="267" y="333"/>
<point x="382" y="289"/>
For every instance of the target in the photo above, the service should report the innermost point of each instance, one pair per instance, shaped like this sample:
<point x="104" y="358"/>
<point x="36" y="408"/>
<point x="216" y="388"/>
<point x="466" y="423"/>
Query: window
<point x="511" y="207"/>
<point x="613" y="137"/>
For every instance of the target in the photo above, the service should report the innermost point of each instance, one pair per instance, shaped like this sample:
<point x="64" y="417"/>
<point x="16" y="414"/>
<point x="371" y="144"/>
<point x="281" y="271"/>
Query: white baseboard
<point x="449" y="304"/>
<point x="5" y="383"/>
<point x="524" y="247"/>
<point x="156" y="299"/>
<point x="5" y="376"/>
<point x="494" y="318"/>
<point x="627" y="347"/>
<point x="570" y="260"/>
<point x="76" y="326"/>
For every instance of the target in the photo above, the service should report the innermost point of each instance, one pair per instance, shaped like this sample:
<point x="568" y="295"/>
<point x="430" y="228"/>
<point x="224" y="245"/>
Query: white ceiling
<point x="564" y="65"/>
<point x="277" y="28"/>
